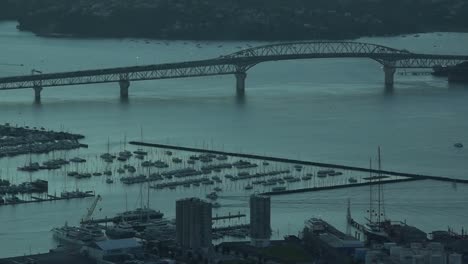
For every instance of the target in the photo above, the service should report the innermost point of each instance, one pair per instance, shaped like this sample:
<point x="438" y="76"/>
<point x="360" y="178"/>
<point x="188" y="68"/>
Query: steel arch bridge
<point x="238" y="64"/>
<point x="395" y="58"/>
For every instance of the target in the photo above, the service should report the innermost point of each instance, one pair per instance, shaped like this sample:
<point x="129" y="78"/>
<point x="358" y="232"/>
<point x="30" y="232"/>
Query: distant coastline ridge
<point x="235" y="20"/>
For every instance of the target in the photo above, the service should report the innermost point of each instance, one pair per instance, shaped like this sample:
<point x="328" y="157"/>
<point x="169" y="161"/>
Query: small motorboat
<point x="458" y="145"/>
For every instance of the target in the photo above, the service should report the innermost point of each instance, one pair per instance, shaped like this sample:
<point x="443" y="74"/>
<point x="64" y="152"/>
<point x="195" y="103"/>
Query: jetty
<point x="48" y="198"/>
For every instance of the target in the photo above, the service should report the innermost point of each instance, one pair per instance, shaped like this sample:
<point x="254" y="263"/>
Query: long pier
<point x="50" y="198"/>
<point x="229" y="216"/>
<point x="228" y="228"/>
<point x="342" y="186"/>
<point x="308" y="163"/>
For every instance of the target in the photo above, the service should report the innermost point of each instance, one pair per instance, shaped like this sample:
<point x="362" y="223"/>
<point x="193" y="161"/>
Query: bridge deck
<point x="237" y="62"/>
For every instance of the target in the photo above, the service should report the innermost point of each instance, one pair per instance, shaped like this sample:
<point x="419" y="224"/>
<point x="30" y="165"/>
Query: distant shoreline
<point x="80" y="36"/>
<point x="233" y="20"/>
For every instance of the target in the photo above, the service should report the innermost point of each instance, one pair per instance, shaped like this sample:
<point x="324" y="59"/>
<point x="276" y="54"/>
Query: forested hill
<point x="236" y="19"/>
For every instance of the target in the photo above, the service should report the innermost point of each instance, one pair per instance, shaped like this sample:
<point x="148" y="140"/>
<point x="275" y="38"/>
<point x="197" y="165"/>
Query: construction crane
<point x="91" y="209"/>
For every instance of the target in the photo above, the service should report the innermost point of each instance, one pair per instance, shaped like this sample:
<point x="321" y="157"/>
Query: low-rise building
<point x="113" y="249"/>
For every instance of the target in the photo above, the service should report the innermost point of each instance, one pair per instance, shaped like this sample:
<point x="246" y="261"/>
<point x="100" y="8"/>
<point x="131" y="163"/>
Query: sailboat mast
<point x="370" y="191"/>
<point x="378" y="187"/>
<point x="141" y="133"/>
<point x="148" y="202"/>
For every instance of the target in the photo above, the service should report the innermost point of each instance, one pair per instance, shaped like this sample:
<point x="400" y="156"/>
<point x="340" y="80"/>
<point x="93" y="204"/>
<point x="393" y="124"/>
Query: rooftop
<point x="115" y="244"/>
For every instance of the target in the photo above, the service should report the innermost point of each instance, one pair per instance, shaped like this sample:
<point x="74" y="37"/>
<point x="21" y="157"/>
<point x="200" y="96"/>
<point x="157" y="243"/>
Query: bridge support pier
<point x="124" y="85"/>
<point x="389" y="75"/>
<point x="240" y="83"/>
<point x="37" y="93"/>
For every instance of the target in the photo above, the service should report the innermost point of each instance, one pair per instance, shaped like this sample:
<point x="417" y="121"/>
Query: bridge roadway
<point x="237" y="64"/>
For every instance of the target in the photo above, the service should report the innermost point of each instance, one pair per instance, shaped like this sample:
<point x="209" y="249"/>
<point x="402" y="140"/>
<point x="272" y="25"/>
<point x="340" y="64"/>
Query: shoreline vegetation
<point x="235" y="19"/>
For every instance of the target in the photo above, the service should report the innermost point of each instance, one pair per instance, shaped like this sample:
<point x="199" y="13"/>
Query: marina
<point x="318" y="112"/>
<point x="16" y="140"/>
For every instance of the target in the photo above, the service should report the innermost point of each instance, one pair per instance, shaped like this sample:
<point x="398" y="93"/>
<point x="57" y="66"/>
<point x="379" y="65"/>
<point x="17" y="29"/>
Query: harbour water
<point x="334" y="111"/>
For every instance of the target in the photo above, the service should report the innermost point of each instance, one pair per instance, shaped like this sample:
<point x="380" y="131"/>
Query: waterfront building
<point x="113" y="249"/>
<point x="260" y="220"/>
<point x="193" y="224"/>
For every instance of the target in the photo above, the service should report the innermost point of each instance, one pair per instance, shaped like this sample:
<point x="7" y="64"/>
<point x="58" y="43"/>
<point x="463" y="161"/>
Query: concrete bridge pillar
<point x="124" y="85"/>
<point x="37" y="93"/>
<point x="240" y="82"/>
<point x="389" y="75"/>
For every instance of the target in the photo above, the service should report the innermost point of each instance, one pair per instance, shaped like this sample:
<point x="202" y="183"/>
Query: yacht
<point x="298" y="167"/>
<point x="278" y="189"/>
<point x="33" y="166"/>
<point x="131" y="169"/>
<point x="74" y="194"/>
<point x="212" y="196"/>
<point x="140" y="152"/>
<point x="122" y="158"/>
<point x="458" y="145"/>
<point x="321" y="174"/>
<point x="78" y="235"/>
<point x="107" y="156"/>
<point x="293" y="180"/>
<point x="194" y="157"/>
<point x="120" y="231"/>
<point x="12" y="200"/>
<point x="160" y="164"/>
<point x="176" y="160"/>
<point x="140" y="213"/>
<point x="78" y="160"/>
<point x="248" y="187"/>
<point x="133" y="179"/>
<point x="146" y="163"/>
<point x="222" y="157"/>
<point x="127" y="154"/>
<point x="72" y="173"/>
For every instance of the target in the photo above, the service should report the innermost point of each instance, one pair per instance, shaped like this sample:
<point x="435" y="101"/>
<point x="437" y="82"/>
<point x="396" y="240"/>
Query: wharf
<point x="310" y="163"/>
<point x="229" y="216"/>
<point x="118" y="219"/>
<point x="229" y="228"/>
<point x="50" y="198"/>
